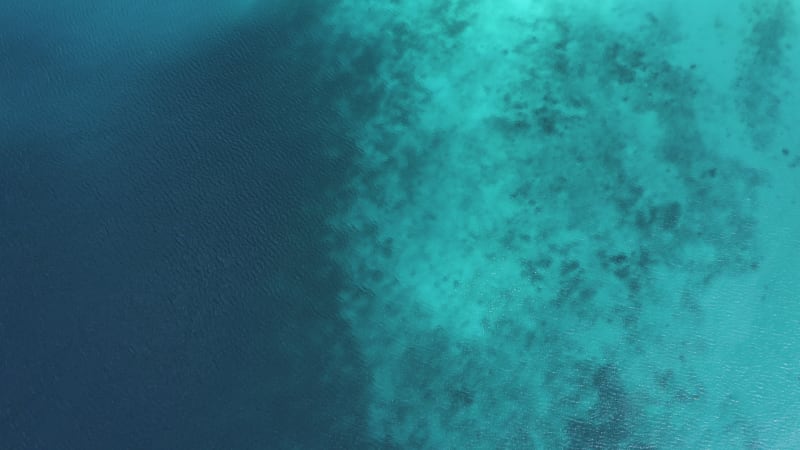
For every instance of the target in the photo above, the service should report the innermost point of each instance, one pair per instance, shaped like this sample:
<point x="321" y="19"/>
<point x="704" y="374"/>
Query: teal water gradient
<point x="406" y="225"/>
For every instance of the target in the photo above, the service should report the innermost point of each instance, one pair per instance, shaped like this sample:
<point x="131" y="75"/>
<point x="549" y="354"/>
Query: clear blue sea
<point x="374" y="224"/>
<point x="163" y="283"/>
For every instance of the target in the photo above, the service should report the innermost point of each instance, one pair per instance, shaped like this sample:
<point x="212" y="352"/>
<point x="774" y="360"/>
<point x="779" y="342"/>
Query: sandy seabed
<point x="575" y="224"/>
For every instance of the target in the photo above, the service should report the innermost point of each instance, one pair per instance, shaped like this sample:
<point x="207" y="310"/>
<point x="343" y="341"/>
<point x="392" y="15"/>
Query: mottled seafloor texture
<point x="440" y="224"/>
<point x="576" y="223"/>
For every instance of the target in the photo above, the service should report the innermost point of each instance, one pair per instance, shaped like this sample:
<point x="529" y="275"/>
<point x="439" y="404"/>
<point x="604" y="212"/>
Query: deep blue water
<point x="163" y="280"/>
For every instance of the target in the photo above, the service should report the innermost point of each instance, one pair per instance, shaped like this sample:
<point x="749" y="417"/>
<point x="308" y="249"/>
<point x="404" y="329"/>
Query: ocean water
<point x="410" y="225"/>
<point x="163" y="281"/>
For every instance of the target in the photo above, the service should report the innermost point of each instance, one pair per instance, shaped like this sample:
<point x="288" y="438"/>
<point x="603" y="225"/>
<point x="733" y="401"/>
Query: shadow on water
<point x="163" y="282"/>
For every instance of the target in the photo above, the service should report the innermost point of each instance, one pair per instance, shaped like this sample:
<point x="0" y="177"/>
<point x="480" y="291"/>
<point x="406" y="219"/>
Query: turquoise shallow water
<point x="575" y="224"/>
